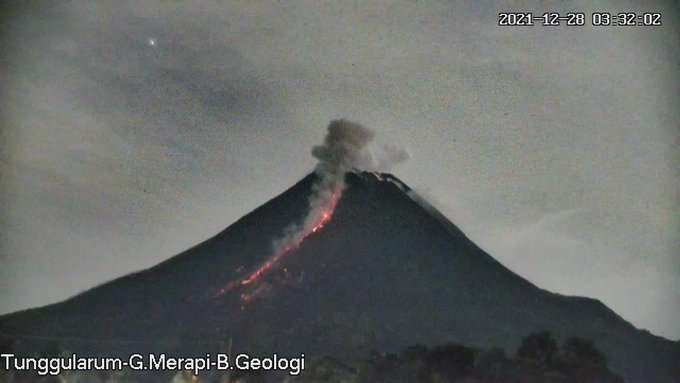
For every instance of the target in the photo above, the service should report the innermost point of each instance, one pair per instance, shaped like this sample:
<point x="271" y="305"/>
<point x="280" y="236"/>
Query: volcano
<point x="382" y="270"/>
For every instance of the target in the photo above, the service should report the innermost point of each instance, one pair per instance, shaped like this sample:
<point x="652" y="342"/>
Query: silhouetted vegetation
<point x="539" y="359"/>
<point x="579" y="351"/>
<point x="540" y="348"/>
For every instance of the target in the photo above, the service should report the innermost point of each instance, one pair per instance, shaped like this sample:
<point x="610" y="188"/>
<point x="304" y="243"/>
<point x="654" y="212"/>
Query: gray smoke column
<point x="344" y="148"/>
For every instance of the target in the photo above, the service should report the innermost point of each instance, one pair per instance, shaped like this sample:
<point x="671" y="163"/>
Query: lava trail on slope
<point x="249" y="284"/>
<point x="343" y="149"/>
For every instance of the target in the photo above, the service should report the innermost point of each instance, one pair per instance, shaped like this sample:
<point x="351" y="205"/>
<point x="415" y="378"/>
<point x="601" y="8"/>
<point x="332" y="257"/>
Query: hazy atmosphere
<point x="132" y="130"/>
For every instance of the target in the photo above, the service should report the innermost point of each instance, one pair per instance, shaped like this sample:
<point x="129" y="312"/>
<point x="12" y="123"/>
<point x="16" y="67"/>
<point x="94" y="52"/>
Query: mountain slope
<point x="387" y="271"/>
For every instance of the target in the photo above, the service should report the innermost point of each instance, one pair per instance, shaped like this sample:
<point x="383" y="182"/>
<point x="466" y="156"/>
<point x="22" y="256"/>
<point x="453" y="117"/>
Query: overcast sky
<point x="133" y="130"/>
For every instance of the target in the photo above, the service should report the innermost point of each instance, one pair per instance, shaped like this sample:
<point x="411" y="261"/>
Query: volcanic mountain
<point x="382" y="271"/>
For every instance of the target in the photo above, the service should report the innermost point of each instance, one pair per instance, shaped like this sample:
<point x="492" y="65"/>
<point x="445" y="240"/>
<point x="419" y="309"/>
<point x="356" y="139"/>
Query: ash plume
<point x="344" y="149"/>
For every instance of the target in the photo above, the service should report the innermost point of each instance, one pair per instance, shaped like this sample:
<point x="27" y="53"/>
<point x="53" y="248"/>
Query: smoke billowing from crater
<point x="344" y="149"/>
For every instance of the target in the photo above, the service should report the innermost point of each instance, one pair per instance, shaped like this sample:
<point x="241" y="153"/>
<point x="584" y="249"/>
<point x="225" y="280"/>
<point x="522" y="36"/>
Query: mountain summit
<point x="382" y="270"/>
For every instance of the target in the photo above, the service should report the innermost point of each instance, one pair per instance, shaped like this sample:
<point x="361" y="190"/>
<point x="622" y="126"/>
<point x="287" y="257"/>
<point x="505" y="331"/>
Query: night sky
<point x="132" y="130"/>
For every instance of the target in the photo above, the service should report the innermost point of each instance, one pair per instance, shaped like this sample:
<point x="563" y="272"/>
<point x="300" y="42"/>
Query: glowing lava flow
<point x="321" y="219"/>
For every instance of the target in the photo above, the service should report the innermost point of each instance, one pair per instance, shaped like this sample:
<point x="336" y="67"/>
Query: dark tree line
<point x="539" y="359"/>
